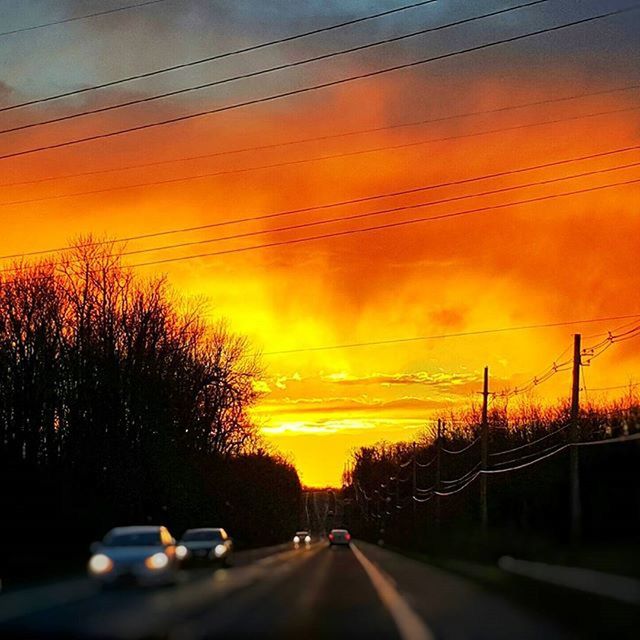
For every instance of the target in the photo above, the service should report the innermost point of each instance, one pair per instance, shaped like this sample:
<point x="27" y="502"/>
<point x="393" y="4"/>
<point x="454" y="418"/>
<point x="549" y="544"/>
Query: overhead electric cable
<point x="219" y="56"/>
<point x="254" y="74"/>
<point x="442" y="336"/>
<point x="389" y="225"/>
<point x="316" y="87"/>
<point x="86" y="16"/>
<point x="288" y="163"/>
<point x="333" y="136"/>
<point x="287" y="212"/>
<point x="361" y="216"/>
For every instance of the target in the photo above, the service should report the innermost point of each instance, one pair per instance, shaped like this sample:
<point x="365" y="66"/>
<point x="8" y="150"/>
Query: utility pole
<point x="484" y="444"/>
<point x="414" y="484"/>
<point x="574" y="463"/>
<point x="438" y="462"/>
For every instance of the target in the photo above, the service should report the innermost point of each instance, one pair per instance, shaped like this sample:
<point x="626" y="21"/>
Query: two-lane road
<point x="316" y="592"/>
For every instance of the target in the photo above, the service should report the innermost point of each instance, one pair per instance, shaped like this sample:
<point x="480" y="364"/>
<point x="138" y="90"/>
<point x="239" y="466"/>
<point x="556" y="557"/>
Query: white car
<point x="302" y="537"/>
<point x="339" y="536"/>
<point x="144" y="555"/>
<point x="205" y="545"/>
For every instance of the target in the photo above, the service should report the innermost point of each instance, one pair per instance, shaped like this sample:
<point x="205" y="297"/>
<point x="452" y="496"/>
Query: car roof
<point x="205" y="529"/>
<point x="339" y="531"/>
<point x="302" y="531"/>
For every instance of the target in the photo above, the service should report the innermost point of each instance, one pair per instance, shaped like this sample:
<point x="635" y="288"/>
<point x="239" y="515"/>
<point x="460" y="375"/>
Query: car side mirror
<point x="94" y="547"/>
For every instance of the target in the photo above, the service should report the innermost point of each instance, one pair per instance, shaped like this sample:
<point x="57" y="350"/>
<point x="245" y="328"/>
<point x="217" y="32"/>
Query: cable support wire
<point x="469" y="446"/>
<point x="526" y="464"/>
<point x="424" y="465"/>
<point x="536" y="380"/>
<point x="317" y="87"/>
<point x="465" y="476"/>
<point x="406" y="464"/>
<point x="427" y="490"/>
<point x="526" y="456"/>
<point x="629" y="438"/>
<point x="458" y="489"/>
<point x="529" y="444"/>
<point x="417" y="499"/>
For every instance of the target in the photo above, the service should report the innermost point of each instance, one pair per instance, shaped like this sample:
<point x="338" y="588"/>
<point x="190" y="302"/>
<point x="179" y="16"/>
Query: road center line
<point x="410" y="625"/>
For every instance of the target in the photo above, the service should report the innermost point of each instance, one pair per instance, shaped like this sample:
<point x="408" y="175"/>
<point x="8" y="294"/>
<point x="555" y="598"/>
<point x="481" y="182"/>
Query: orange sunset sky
<point x="559" y="259"/>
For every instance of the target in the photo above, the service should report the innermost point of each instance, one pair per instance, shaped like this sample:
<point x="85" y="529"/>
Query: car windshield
<point x="202" y="536"/>
<point x="302" y="533"/>
<point x="133" y="539"/>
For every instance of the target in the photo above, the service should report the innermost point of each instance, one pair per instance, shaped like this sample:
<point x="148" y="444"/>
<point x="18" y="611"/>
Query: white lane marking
<point x="410" y="625"/>
<point x="619" y="588"/>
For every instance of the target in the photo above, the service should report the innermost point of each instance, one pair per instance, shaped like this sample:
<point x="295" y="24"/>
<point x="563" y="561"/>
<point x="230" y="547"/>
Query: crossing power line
<point x="372" y="214"/>
<point x="390" y="225"/>
<point x="85" y="16"/>
<point x="315" y="87"/>
<point x="301" y="161"/>
<point x="330" y="205"/>
<point x="218" y="56"/>
<point x="444" y="336"/>
<point x="369" y="214"/>
<point x="262" y="72"/>
<point x="345" y="134"/>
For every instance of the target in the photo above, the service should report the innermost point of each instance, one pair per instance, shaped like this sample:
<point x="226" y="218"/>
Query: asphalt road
<point x="307" y="593"/>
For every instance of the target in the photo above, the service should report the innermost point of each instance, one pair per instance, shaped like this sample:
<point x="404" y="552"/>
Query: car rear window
<point x="202" y="536"/>
<point x="141" y="539"/>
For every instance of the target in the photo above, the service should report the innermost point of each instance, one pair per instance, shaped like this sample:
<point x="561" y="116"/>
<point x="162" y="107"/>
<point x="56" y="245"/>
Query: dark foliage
<point x="528" y="508"/>
<point x="118" y="408"/>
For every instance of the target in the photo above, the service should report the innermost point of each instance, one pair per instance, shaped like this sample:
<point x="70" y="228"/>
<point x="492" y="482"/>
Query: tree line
<point x="120" y="404"/>
<point x="528" y="508"/>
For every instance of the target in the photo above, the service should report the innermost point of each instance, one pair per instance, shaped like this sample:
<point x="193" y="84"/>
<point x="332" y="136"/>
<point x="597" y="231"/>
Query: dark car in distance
<point x="206" y="545"/>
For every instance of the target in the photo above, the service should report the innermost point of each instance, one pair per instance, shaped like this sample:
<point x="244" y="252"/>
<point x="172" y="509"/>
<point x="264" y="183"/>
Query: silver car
<point x="205" y="545"/>
<point x="144" y="555"/>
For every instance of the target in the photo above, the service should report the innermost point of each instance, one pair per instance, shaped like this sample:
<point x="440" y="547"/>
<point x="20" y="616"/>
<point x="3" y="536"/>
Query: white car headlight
<point x="100" y="563"/>
<point x="157" y="561"/>
<point x="219" y="550"/>
<point x="307" y="539"/>
<point x="181" y="552"/>
<point x="296" y="539"/>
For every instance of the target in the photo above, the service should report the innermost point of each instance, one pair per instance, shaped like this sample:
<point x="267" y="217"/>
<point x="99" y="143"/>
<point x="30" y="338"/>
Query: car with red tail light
<point x="339" y="537"/>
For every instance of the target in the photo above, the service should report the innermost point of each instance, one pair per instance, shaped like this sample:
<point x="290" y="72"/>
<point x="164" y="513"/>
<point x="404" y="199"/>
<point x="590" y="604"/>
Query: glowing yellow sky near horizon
<point x="555" y="260"/>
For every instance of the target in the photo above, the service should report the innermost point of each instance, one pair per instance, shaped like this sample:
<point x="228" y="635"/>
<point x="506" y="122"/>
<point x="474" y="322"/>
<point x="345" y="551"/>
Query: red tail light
<point x="331" y="536"/>
<point x="348" y="537"/>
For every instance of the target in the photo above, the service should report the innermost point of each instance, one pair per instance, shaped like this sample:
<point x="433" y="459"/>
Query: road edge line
<point x="409" y="623"/>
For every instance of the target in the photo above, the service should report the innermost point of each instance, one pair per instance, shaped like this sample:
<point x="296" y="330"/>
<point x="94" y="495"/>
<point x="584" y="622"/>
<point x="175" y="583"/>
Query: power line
<point x="369" y="214"/>
<point x="316" y="87"/>
<point x="381" y="227"/>
<point x="400" y="125"/>
<point x="86" y="16"/>
<point x="261" y="72"/>
<point x="288" y="163"/>
<point x="218" y="56"/>
<point x="389" y="225"/>
<point x="330" y="205"/>
<point x="443" y="336"/>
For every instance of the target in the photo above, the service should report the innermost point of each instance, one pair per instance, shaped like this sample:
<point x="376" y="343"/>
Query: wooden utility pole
<point x="438" y="462"/>
<point x="414" y="484"/>
<point x="574" y="436"/>
<point x="484" y="444"/>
